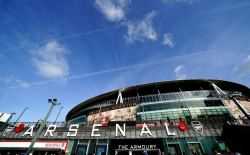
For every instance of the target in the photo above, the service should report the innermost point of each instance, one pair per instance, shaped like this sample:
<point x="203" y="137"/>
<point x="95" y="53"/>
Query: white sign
<point x="95" y="132"/>
<point x="41" y="145"/>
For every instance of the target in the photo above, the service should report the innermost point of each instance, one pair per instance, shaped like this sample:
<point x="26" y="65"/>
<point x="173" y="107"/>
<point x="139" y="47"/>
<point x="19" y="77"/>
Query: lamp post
<point x="21" y="114"/>
<point x="11" y="115"/>
<point x="58" y="114"/>
<point x="53" y="102"/>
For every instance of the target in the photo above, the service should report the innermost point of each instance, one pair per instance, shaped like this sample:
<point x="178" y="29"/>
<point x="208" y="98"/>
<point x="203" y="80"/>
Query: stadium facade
<point x="183" y="117"/>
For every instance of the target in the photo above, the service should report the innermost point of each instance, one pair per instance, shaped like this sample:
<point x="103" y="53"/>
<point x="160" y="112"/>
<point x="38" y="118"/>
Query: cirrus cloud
<point x="180" y="1"/>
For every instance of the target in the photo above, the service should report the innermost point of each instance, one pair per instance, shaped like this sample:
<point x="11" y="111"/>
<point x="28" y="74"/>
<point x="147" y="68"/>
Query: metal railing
<point x="174" y="96"/>
<point x="163" y="96"/>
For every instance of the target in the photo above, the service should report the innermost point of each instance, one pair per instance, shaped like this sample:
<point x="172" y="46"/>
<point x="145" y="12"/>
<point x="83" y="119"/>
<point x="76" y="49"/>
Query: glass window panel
<point x="101" y="150"/>
<point x="81" y="150"/>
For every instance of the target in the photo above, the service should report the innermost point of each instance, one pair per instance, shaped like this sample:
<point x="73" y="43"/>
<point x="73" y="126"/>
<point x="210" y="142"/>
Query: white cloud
<point x="50" y="60"/>
<point x="23" y="84"/>
<point x="5" y="80"/>
<point x="179" y="73"/>
<point x="168" y="40"/>
<point x="113" y="10"/>
<point x="180" y="1"/>
<point x="244" y="68"/>
<point x="11" y="82"/>
<point x="141" y="30"/>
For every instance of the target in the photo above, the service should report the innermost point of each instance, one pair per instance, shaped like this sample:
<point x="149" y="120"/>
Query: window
<point x="80" y="119"/>
<point x="174" y="149"/>
<point x="195" y="149"/>
<point x="81" y="149"/>
<point x="101" y="150"/>
<point x="212" y="103"/>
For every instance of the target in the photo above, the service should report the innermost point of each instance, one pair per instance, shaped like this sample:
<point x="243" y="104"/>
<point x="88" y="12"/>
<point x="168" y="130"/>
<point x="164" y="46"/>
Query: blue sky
<point x="77" y="49"/>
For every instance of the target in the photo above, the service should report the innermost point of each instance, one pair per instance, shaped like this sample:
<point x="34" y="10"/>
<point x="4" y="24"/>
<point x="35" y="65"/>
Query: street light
<point x="53" y="102"/>
<point x="11" y="115"/>
<point x="21" y="114"/>
<point x="58" y="114"/>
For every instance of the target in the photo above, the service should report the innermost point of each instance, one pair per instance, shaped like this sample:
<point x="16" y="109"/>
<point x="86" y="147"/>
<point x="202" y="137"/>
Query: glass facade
<point x="182" y="113"/>
<point x="81" y="120"/>
<point x="204" y="107"/>
<point x="179" y="105"/>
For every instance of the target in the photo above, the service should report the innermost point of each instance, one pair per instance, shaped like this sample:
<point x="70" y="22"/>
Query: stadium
<point x="182" y="117"/>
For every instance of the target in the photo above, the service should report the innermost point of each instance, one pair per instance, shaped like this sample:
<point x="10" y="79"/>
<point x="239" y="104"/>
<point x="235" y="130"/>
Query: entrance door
<point x="12" y="152"/>
<point x="122" y="152"/>
<point x="195" y="149"/>
<point x="136" y="146"/>
<point x="146" y="152"/>
<point x="174" y="149"/>
<point x="48" y="153"/>
<point x="81" y="149"/>
<point x="37" y="152"/>
<point x="101" y="149"/>
<point x="153" y="152"/>
<point x="138" y="152"/>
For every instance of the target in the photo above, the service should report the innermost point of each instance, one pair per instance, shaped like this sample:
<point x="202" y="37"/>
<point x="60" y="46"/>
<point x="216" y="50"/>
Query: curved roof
<point x="163" y="86"/>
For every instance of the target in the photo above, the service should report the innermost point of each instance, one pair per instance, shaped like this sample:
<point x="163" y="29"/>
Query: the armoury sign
<point x="119" y="129"/>
<point x="137" y="147"/>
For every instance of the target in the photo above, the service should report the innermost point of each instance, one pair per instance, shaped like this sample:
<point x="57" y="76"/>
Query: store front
<point x="138" y="152"/>
<point x="136" y="147"/>
<point x="38" y="152"/>
<point x="40" y="148"/>
<point x="147" y="146"/>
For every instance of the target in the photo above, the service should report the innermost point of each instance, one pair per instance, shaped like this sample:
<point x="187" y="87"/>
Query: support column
<point x="165" y="145"/>
<point x="130" y="152"/>
<point x="107" y="149"/>
<point x="87" y="150"/>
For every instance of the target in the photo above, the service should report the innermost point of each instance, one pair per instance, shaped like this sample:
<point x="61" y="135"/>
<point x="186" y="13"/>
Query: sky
<point x="77" y="49"/>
